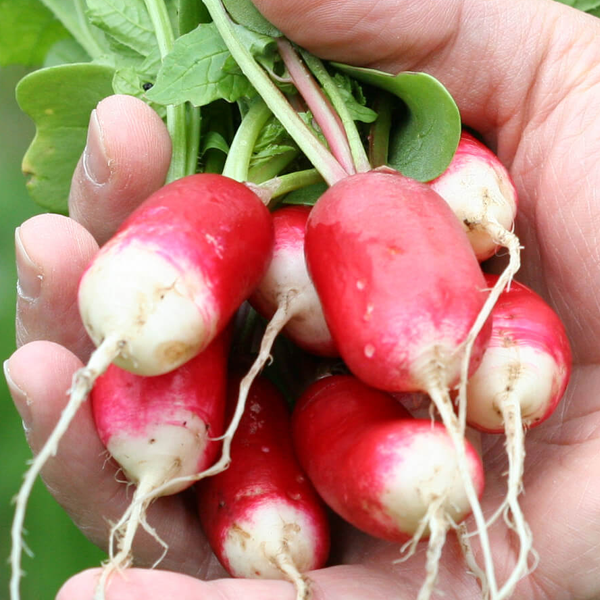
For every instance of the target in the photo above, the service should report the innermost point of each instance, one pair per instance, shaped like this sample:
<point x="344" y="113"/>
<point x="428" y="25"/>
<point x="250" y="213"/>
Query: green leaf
<point x="214" y="141"/>
<point x="354" y="99"/>
<point x="245" y="13"/>
<point x="131" y="82"/>
<point x="126" y="21"/>
<point x="423" y="144"/>
<point x="307" y="195"/>
<point x="27" y="31"/>
<point x="194" y="71"/>
<point x="272" y="141"/>
<point x="59" y="100"/>
<point x="65" y="52"/>
<point x="584" y="5"/>
<point x="71" y="16"/>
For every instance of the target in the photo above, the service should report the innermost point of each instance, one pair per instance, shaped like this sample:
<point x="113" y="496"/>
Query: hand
<point x="525" y="75"/>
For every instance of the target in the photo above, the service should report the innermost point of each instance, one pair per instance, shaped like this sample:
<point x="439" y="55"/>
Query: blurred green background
<point x="60" y="549"/>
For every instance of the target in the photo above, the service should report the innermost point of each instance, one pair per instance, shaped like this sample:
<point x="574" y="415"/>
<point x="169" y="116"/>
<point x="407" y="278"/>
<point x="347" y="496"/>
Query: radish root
<point x="441" y="398"/>
<point x="286" y="565"/>
<point x="277" y="323"/>
<point x="83" y="381"/>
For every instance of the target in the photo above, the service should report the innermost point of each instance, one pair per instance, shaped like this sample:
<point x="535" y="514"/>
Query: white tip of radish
<point x="252" y="545"/>
<point x="424" y="472"/>
<point x="479" y="190"/>
<point x="163" y="452"/>
<point x="154" y="311"/>
<point x="529" y="374"/>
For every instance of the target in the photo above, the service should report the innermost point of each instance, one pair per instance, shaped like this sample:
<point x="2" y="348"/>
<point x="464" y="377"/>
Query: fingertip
<point x="127" y="156"/>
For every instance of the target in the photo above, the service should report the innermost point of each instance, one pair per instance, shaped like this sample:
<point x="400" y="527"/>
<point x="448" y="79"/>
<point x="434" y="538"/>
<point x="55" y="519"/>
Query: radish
<point x="287" y="291"/>
<point x="386" y="473"/>
<point x="522" y="377"/>
<point x="402" y="292"/>
<point x="262" y="516"/>
<point x="287" y="296"/>
<point x="481" y="193"/>
<point x="162" y="289"/>
<point x="159" y="429"/>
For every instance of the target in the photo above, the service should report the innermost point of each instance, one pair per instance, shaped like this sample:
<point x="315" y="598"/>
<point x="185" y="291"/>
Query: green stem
<point x="87" y="40"/>
<point x="175" y="113"/>
<point x="242" y="146"/>
<point x="379" y="140"/>
<point x="359" y="155"/>
<point x="284" y="184"/>
<point x="272" y="167"/>
<point x="275" y="100"/>
<point x="193" y="140"/>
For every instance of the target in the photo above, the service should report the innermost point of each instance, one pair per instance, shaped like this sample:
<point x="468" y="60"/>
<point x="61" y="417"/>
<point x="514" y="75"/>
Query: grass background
<point x="60" y="549"/>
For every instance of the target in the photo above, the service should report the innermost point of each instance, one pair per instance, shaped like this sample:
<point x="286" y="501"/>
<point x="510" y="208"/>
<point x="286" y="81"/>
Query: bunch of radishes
<point x="384" y="272"/>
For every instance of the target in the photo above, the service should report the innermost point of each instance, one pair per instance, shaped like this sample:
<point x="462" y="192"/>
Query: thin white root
<point x="286" y="565"/>
<point x="443" y="403"/>
<point x="124" y="533"/>
<point x="438" y="526"/>
<point x="277" y="323"/>
<point x="409" y="548"/>
<point x="83" y="381"/>
<point x="515" y="448"/>
<point x="474" y="568"/>
<point x="502" y="237"/>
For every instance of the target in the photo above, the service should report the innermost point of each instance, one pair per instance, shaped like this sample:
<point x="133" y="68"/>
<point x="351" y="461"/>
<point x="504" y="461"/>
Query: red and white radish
<point x="286" y="295"/>
<point x="162" y="288"/>
<point x="262" y="516"/>
<point x="522" y="377"/>
<point x="480" y="191"/>
<point x="388" y="474"/>
<point x="402" y="292"/>
<point x="286" y="289"/>
<point x="159" y="429"/>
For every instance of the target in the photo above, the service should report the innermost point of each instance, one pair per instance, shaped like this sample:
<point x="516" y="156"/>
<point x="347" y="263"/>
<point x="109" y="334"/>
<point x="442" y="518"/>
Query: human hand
<point x="525" y="76"/>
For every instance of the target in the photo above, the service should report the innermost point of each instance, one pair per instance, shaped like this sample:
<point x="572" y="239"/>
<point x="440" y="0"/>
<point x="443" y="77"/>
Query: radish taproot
<point x="401" y="292"/>
<point x="159" y="429"/>
<point x="161" y="290"/>
<point x="287" y="296"/>
<point x="480" y="191"/>
<point x="522" y="377"/>
<point x="262" y="516"/>
<point x="386" y="473"/>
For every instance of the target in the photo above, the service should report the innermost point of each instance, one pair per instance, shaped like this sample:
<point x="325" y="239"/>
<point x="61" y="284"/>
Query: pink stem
<point x="322" y="110"/>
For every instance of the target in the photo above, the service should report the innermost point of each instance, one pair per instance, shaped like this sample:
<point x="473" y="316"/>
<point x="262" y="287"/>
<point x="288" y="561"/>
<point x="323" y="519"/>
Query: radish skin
<point x="159" y="429"/>
<point x="288" y="296"/>
<point x="262" y="516"/>
<point x="305" y="324"/>
<point x="402" y="294"/>
<point x="481" y="193"/>
<point x="388" y="474"/>
<point x="522" y="378"/>
<point x="160" y="291"/>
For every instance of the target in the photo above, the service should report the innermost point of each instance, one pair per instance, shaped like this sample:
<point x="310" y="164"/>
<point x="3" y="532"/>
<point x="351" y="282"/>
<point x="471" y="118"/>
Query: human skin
<point x="526" y="75"/>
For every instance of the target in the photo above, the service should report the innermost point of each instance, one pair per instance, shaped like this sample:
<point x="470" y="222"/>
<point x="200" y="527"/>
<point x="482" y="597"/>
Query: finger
<point x="126" y="158"/>
<point x="52" y="252"/>
<point x="81" y="477"/>
<point x="495" y="56"/>
<point x="337" y="583"/>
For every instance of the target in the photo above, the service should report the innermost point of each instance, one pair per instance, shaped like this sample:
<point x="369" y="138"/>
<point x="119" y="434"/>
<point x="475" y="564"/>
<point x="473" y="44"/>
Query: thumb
<point x="495" y="57"/>
<point x="126" y="158"/>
